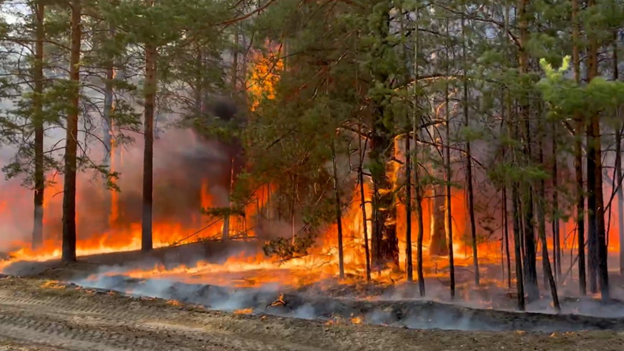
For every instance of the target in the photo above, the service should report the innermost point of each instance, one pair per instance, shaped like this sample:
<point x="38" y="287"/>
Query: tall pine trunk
<point x="541" y="214"/>
<point x="449" y="214"/>
<point x="469" y="181"/>
<point x="620" y="192"/>
<point x="515" y="199"/>
<point x="594" y="182"/>
<point x="529" y="232"/>
<point x="338" y="212"/>
<point x="408" y="209"/>
<point x="555" y="212"/>
<point x="148" y="152"/>
<point x="618" y="156"/>
<point x="37" y="236"/>
<point x="506" y="236"/>
<point x="107" y="129"/>
<point x="578" y="154"/>
<point x="361" y="151"/>
<point x="418" y="198"/>
<point x="71" y="138"/>
<point x="447" y="166"/>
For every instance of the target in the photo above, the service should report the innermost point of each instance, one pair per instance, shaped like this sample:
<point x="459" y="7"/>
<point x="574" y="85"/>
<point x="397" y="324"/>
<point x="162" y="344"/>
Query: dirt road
<point x="43" y="315"/>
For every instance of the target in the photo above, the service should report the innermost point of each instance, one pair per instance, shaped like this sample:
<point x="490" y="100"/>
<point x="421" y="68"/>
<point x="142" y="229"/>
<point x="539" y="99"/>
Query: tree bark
<point x="529" y="232"/>
<point x="384" y="241"/>
<point x="38" y="118"/>
<point x="506" y="236"/>
<point x="515" y="199"/>
<point x="618" y="157"/>
<point x="408" y="209"/>
<point x="148" y="153"/>
<point x="71" y="138"/>
<point x="417" y="186"/>
<point x="541" y="214"/>
<point x="338" y="213"/>
<point x="594" y="183"/>
<point x="107" y="131"/>
<point x="620" y="193"/>
<point x="578" y="155"/>
<point x="471" y="210"/>
<point x="555" y="215"/>
<point x="361" y="151"/>
<point x="449" y="179"/>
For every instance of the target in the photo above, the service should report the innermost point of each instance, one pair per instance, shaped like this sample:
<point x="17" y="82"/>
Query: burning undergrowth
<point x="305" y="303"/>
<point x="293" y="291"/>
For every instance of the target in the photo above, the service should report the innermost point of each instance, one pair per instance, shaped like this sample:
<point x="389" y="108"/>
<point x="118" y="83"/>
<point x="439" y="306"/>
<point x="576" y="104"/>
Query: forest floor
<point x="37" y="314"/>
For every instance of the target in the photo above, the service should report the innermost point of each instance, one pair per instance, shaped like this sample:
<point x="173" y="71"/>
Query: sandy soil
<point x="37" y="314"/>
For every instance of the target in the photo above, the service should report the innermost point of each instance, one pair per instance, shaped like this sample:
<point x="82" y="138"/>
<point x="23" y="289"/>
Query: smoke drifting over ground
<point x="410" y="313"/>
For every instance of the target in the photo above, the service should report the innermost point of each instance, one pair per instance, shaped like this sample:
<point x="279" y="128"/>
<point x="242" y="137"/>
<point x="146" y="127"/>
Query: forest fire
<point x="113" y="225"/>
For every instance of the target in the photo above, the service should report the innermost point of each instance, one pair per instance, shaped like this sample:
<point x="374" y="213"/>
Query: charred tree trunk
<point x="419" y="215"/>
<point x="38" y="119"/>
<point x="578" y="155"/>
<point x="408" y="209"/>
<point x="541" y="214"/>
<point x="618" y="155"/>
<point x="338" y="213"/>
<point x="418" y="198"/>
<point x="620" y="191"/>
<point x="71" y="138"/>
<point x="438" y="245"/>
<point x="107" y="130"/>
<point x="408" y="174"/>
<point x="506" y="236"/>
<point x="363" y="204"/>
<point x="555" y="212"/>
<point x="515" y="199"/>
<point x="471" y="210"/>
<point x="594" y="184"/>
<point x="148" y="154"/>
<point x="384" y="238"/>
<point x="529" y="231"/>
<point x="449" y="179"/>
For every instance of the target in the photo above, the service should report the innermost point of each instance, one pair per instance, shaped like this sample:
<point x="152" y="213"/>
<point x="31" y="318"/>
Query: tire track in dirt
<point x="86" y="324"/>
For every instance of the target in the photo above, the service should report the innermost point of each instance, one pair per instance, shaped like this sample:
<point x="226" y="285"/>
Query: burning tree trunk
<point x="449" y="176"/>
<point x="419" y="214"/>
<point x="578" y="155"/>
<point x="594" y="184"/>
<point x="148" y="154"/>
<point x="471" y="211"/>
<point x="620" y="192"/>
<point x="38" y="118"/>
<point x="338" y="213"/>
<point x="360" y="170"/>
<point x="408" y="209"/>
<point x="438" y="245"/>
<point x="71" y="138"/>
<point x="384" y="241"/>
<point x="418" y="189"/>
<point x="107" y="128"/>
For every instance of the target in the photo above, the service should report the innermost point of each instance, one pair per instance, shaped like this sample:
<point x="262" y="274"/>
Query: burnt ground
<point x="36" y="314"/>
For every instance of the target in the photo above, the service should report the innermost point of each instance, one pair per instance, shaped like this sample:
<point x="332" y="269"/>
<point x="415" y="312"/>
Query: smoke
<point x="189" y="172"/>
<point x="413" y="313"/>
